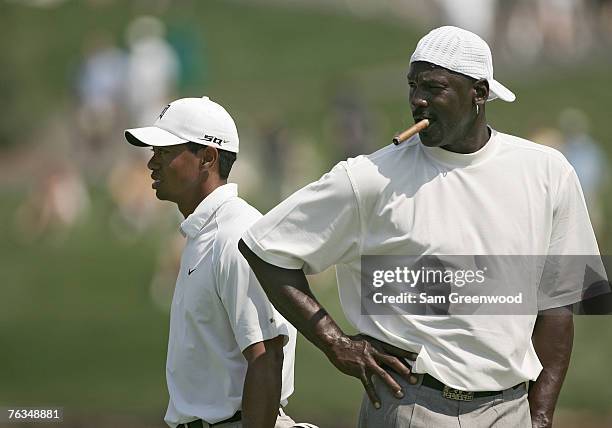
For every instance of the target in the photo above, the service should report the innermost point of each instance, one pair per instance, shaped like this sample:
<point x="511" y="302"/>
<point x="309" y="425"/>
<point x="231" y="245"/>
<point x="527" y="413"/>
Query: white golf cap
<point x="464" y="52"/>
<point x="198" y="120"/>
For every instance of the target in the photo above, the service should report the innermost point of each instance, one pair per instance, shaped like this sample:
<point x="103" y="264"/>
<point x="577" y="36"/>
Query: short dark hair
<point x="226" y="159"/>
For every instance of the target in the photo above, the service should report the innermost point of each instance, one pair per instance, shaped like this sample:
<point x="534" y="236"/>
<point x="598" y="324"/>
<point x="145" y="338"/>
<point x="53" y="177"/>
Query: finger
<point x="369" y="389"/>
<point x="395" y="388"/>
<point x="398" y="352"/>
<point x="394" y="364"/>
<point x="390" y="349"/>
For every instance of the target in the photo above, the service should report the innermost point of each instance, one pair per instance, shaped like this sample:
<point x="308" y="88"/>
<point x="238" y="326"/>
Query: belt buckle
<point x="457" y="394"/>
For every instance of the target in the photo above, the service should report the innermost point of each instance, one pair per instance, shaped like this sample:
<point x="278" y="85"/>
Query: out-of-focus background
<point x="88" y="256"/>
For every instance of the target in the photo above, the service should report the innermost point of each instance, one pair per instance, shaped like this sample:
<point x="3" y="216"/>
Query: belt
<point x="199" y="424"/>
<point x="457" y="394"/>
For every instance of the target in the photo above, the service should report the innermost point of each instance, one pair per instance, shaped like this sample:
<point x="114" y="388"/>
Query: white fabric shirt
<point x="512" y="197"/>
<point x="218" y="310"/>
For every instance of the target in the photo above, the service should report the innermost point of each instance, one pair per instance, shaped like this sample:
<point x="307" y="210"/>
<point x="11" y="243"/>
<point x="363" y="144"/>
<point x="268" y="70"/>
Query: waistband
<point x="457" y="394"/>
<point x="199" y="423"/>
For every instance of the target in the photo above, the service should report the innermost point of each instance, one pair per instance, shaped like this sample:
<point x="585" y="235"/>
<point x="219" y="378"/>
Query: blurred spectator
<point x="562" y="23"/>
<point x="587" y="158"/>
<point x="100" y="85"/>
<point x="550" y="137"/>
<point x="602" y="12"/>
<point x="473" y="15"/>
<point x="521" y="36"/>
<point x="57" y="202"/>
<point x="153" y="69"/>
<point x="275" y="141"/>
<point x="41" y="3"/>
<point x="350" y="122"/>
<point x="305" y="163"/>
<point x="556" y="30"/>
<point x="135" y="210"/>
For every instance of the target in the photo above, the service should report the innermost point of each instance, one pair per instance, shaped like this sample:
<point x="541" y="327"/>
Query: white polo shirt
<point x="218" y="310"/>
<point x="512" y="197"/>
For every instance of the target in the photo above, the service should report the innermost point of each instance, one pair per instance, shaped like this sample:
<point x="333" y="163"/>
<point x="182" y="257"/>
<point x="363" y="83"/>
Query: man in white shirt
<point x="458" y="188"/>
<point x="230" y="353"/>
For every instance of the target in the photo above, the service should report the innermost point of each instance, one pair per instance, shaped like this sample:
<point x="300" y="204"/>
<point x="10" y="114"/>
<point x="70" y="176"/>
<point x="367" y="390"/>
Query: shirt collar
<point x="464" y="159"/>
<point x="193" y="224"/>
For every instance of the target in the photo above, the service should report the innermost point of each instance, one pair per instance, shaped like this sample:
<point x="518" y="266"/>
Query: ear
<point x="481" y="91"/>
<point x="209" y="157"/>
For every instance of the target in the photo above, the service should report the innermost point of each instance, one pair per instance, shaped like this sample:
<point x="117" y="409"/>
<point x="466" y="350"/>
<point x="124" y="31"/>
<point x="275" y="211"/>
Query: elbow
<point x="269" y="366"/>
<point x="266" y="356"/>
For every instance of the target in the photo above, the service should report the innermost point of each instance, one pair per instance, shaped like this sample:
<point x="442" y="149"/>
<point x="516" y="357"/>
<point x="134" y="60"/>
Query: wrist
<point x="541" y="420"/>
<point x="334" y="343"/>
<point x="327" y="336"/>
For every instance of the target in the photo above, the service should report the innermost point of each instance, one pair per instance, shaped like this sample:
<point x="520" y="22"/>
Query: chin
<point x="430" y="142"/>
<point x="160" y="195"/>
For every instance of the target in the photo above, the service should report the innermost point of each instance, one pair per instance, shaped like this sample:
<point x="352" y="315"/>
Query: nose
<point x="152" y="162"/>
<point x="417" y="99"/>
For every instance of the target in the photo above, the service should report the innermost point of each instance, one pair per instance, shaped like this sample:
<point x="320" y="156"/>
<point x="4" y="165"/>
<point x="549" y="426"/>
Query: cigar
<point x="417" y="127"/>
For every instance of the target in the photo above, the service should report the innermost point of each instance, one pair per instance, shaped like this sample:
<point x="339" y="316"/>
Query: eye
<point x="436" y="88"/>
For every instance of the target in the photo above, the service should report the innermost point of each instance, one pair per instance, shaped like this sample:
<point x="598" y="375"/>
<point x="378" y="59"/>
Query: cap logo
<point x="164" y="111"/>
<point x="213" y="139"/>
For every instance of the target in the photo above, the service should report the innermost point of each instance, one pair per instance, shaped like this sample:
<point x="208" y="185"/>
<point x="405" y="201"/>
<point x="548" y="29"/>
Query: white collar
<point x="194" y="223"/>
<point x="463" y="159"/>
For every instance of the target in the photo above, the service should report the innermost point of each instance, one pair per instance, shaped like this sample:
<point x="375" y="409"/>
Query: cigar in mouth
<point x="416" y="128"/>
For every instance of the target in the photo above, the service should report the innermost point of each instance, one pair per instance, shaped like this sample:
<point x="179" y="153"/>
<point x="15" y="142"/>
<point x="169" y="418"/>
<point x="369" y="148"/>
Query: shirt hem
<point x="274" y="259"/>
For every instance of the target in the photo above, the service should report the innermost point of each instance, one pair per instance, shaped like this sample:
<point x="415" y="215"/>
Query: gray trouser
<point x="425" y="407"/>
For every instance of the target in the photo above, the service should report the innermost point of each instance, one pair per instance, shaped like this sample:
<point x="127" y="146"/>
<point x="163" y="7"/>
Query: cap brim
<point x="497" y="90"/>
<point x="152" y="136"/>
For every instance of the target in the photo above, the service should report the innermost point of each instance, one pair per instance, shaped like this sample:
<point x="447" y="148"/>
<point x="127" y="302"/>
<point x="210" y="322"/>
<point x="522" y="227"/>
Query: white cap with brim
<point x="152" y="136"/>
<point x="464" y="52"/>
<point x="197" y="120"/>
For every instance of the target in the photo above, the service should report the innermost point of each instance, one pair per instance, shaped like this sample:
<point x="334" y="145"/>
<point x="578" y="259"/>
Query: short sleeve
<point x="573" y="269"/>
<point x="315" y="228"/>
<point x="251" y="315"/>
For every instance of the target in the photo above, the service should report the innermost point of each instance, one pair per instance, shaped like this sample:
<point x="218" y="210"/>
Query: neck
<point x="207" y="187"/>
<point x="474" y="139"/>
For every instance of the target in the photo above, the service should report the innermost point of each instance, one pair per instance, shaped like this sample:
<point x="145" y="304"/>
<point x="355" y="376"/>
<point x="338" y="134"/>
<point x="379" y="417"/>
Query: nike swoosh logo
<point x="191" y="271"/>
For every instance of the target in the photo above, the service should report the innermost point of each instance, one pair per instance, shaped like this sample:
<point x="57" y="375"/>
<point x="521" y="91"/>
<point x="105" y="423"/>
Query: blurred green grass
<point x="77" y="325"/>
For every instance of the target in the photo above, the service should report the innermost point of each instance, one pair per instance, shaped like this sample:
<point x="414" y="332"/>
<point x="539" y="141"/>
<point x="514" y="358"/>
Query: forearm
<point x="356" y="356"/>
<point x="552" y="338"/>
<point x="289" y="292"/>
<point x="261" y="393"/>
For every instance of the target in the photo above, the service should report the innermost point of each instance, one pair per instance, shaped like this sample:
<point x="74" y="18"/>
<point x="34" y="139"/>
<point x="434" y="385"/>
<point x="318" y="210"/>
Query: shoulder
<point x="530" y="151"/>
<point x="386" y="155"/>
<point x="233" y="218"/>
<point x="369" y="174"/>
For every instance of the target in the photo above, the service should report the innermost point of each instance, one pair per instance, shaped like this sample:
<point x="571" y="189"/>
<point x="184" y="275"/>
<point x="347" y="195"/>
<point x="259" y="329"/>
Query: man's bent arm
<point x="553" y="336"/>
<point x="289" y="292"/>
<point x="261" y="393"/>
